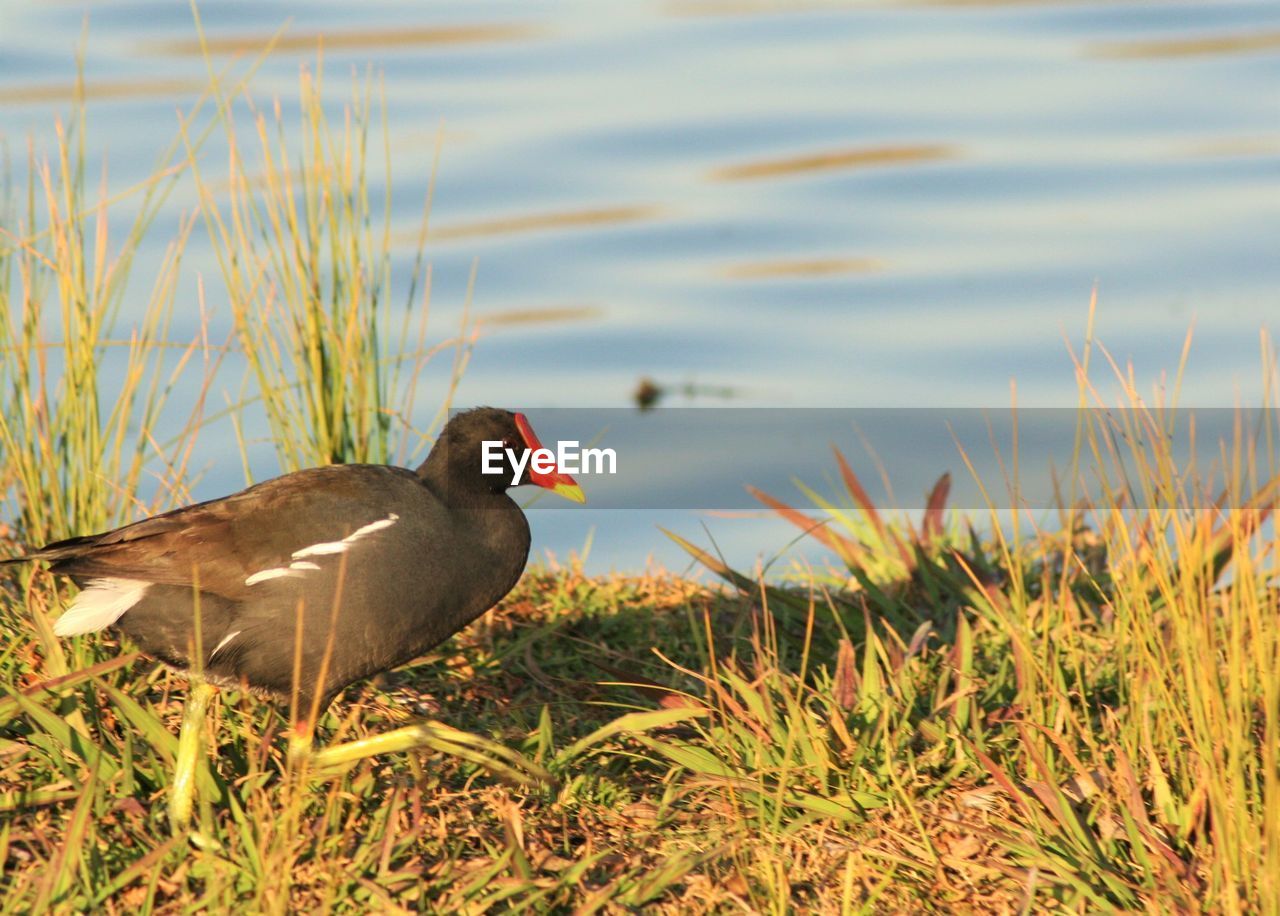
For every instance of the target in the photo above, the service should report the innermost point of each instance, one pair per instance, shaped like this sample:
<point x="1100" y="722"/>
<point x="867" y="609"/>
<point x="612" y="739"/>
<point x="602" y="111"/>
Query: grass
<point x="1076" y="715"/>
<point x="305" y="256"/>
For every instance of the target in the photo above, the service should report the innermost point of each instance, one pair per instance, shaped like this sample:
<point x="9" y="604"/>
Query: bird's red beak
<point x="556" y="481"/>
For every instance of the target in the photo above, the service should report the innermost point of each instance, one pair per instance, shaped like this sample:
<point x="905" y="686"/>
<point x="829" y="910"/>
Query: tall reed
<point x="78" y="427"/>
<point x="306" y="254"/>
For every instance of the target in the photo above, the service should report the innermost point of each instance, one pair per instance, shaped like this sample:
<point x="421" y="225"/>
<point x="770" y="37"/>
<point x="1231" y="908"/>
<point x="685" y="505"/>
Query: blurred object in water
<point x="649" y="393"/>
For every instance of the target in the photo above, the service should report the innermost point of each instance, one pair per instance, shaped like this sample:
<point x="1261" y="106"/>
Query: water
<point x="791" y="205"/>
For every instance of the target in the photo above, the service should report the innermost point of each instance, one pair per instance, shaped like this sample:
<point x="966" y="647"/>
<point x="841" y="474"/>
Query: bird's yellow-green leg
<point x="182" y="799"/>
<point x="399" y="739"/>
<point x="440" y="737"/>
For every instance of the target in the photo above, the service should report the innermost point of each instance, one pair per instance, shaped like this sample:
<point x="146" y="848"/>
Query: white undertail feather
<point x="101" y="604"/>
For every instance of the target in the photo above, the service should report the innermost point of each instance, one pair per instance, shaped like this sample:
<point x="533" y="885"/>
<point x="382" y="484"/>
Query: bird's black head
<point x="485" y="450"/>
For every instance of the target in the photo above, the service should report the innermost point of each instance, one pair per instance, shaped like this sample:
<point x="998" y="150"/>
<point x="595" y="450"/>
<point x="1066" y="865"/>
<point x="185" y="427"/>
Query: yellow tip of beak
<point x="570" y="491"/>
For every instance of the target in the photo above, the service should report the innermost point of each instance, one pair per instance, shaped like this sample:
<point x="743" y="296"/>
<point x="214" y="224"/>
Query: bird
<point x="302" y="585"/>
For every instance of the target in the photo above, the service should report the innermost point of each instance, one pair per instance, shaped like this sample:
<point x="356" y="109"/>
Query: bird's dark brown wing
<point x="216" y="545"/>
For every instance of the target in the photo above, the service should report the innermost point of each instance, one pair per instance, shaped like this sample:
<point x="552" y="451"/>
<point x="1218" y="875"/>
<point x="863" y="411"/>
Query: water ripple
<point x="832" y="160"/>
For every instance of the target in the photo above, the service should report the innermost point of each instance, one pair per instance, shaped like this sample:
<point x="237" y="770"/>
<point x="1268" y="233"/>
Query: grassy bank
<point x="1080" y="713"/>
<point x="970" y="735"/>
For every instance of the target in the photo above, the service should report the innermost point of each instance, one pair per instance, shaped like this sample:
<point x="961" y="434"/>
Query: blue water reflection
<point x="681" y="172"/>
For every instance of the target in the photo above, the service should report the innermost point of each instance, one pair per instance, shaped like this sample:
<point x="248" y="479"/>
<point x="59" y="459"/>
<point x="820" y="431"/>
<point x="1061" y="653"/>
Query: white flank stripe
<point x="100" y="605"/>
<point x="263" y="575"/>
<point x="318" y="550"/>
<point x="293" y="570"/>
<point x="332" y="547"/>
<point x="221" y="645"/>
<point x="372" y="527"/>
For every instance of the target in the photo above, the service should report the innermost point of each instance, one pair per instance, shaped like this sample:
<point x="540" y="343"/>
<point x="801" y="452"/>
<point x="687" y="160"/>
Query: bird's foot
<point x="203" y="841"/>
<point x="301" y="745"/>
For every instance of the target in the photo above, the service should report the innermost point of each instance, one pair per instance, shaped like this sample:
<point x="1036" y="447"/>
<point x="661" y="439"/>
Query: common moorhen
<point x="302" y="585"/>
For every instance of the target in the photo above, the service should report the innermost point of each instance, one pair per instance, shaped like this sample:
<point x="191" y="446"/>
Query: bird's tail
<point x="52" y="553"/>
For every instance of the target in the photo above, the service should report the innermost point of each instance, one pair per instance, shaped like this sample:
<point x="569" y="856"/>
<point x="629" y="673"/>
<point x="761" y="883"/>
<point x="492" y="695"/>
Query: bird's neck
<point x="459" y="486"/>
